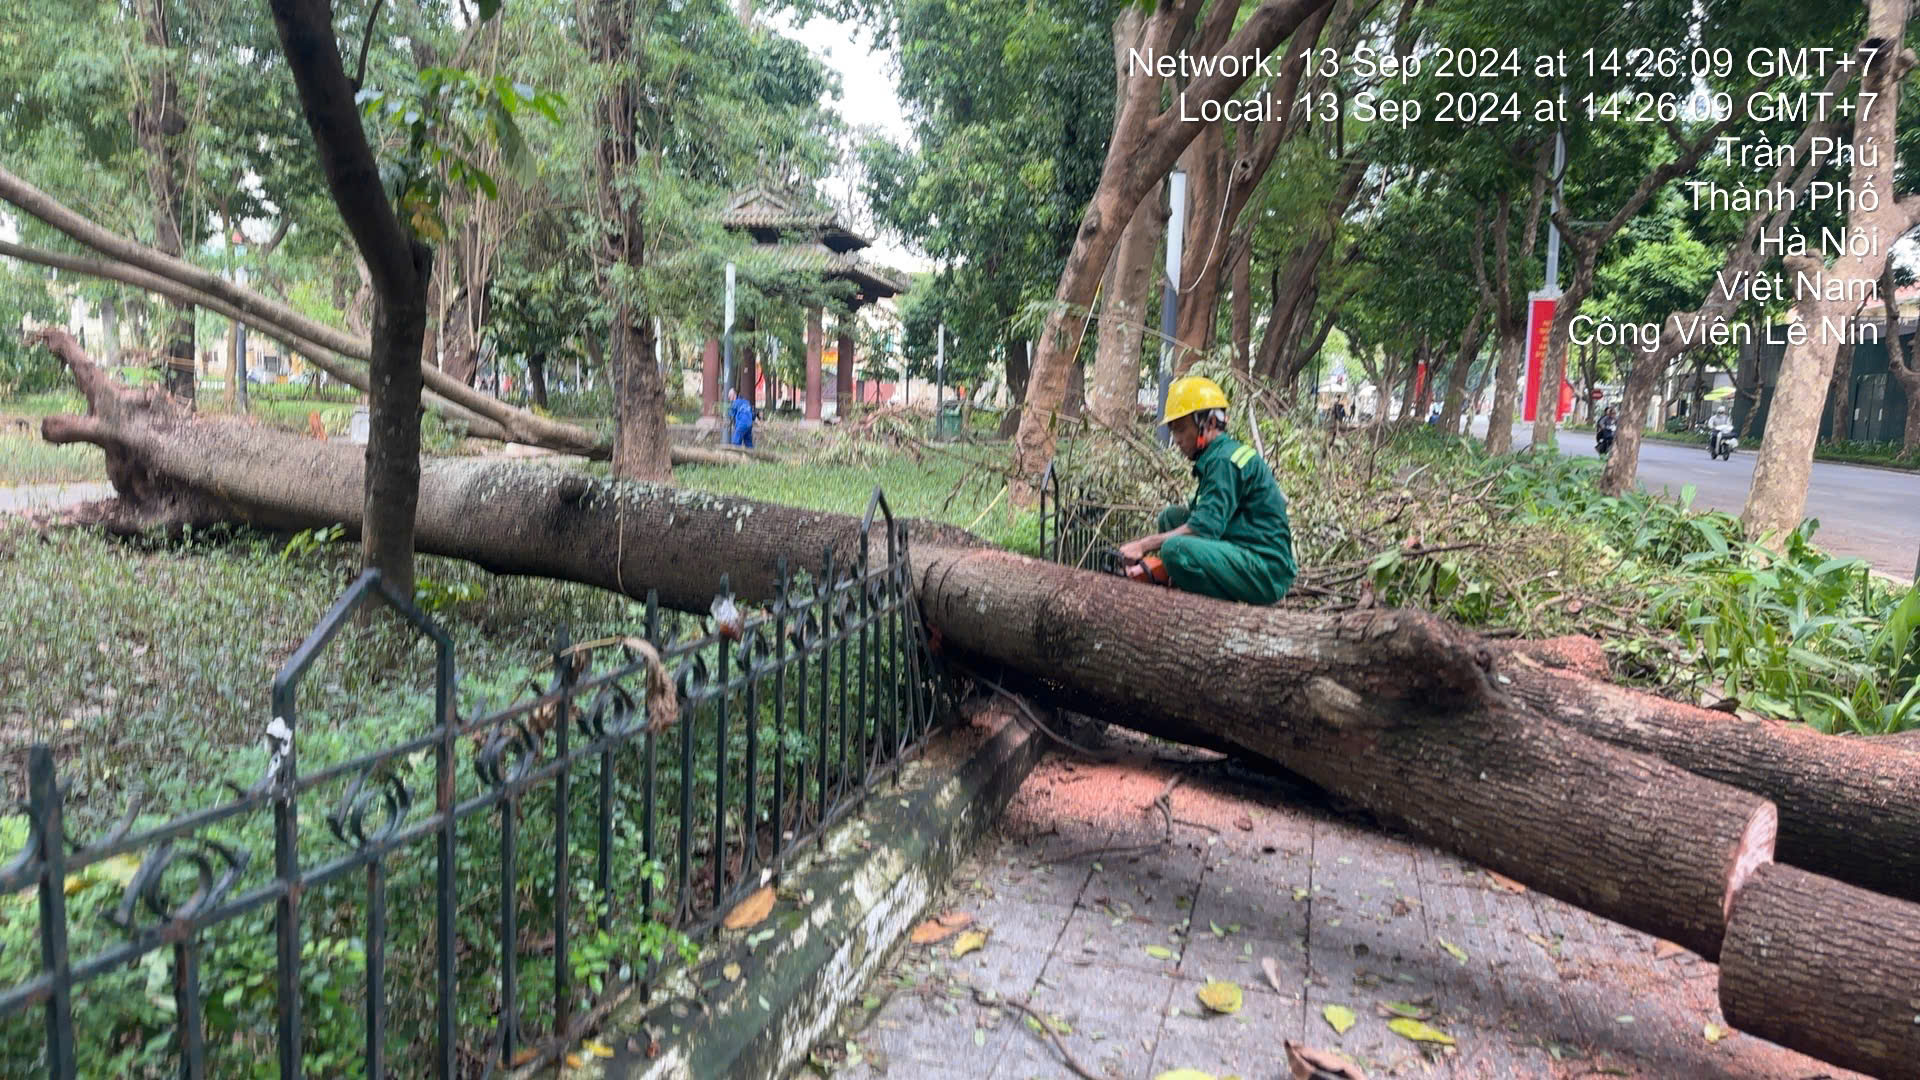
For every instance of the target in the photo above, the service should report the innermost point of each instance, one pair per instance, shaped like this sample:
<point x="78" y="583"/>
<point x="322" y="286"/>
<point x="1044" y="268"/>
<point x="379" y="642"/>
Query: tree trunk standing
<point x="159" y="126"/>
<point x="1900" y="364"/>
<point x="459" y="343"/>
<point x="1778" y="496"/>
<point x="843" y="365"/>
<point x="1116" y="367"/>
<point x="1243" y="310"/>
<point x="816" y="344"/>
<point x="537" y="377"/>
<point x="1017" y="370"/>
<point x="1076" y="401"/>
<point x="1455" y="401"/>
<point x="641" y="448"/>
<point x="1144" y="145"/>
<point x="1841" y="990"/>
<point x="1510" y="311"/>
<point x="110" y="329"/>
<point x="399" y="266"/>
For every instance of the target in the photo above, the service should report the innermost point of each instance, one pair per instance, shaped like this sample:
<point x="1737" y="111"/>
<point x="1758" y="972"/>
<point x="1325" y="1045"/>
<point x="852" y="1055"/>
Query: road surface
<point x="1872" y="513"/>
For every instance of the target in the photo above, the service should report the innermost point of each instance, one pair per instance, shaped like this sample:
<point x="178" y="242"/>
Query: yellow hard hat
<point x="1192" y="394"/>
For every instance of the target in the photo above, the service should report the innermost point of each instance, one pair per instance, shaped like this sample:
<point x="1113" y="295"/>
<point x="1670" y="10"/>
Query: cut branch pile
<point x="1488" y="753"/>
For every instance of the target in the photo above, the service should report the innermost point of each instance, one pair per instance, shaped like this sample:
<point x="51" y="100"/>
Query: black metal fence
<point x="474" y="897"/>
<point x="1075" y="527"/>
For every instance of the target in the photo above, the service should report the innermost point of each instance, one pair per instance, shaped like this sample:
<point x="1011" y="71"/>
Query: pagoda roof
<point x="767" y="215"/>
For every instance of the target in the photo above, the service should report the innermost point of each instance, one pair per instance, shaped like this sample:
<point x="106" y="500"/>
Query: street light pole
<point x="1170" y="292"/>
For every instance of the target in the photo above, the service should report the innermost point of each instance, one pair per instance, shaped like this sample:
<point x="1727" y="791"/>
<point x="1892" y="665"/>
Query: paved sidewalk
<point x="1112" y="942"/>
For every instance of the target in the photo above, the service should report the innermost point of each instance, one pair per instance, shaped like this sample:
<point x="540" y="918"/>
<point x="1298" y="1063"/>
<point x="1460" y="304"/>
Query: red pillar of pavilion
<point x="710" y="378"/>
<point x="815" y="341"/>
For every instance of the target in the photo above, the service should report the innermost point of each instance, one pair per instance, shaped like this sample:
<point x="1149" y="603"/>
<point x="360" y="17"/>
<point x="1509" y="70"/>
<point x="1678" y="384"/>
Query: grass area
<point x="26" y="458"/>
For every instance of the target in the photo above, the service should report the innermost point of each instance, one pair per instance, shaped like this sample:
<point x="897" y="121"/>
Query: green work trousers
<point x="1219" y="569"/>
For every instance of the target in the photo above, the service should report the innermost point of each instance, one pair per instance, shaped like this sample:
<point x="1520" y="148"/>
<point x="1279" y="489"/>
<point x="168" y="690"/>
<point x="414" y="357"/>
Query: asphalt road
<point x="1872" y="513"/>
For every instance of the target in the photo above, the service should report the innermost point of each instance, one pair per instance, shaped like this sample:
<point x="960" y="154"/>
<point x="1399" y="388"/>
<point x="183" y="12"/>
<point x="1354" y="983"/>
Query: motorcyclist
<point x="1719" y="426"/>
<point x="1604" y="430"/>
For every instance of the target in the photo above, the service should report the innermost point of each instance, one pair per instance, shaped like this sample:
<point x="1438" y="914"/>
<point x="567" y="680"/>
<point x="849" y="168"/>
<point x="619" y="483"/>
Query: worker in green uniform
<point x="1232" y="542"/>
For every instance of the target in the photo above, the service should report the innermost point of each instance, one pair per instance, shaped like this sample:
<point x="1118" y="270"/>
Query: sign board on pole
<point x="729" y="322"/>
<point x="1539" y="323"/>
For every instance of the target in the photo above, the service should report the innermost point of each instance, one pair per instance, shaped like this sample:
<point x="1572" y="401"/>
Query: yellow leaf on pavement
<point x="732" y="972"/>
<point x="1339" y="1017"/>
<point x="1714" y="1032"/>
<point x="971" y="941"/>
<point x="1183" y="1074"/>
<point x="751" y="911"/>
<point x="1408" y="1028"/>
<point x="1456" y="951"/>
<point x="940" y="927"/>
<point x="597" y="1049"/>
<point x="1221" y="997"/>
<point x="1664" y="949"/>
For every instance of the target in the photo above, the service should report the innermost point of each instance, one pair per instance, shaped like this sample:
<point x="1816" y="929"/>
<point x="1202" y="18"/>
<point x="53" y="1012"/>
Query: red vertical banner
<point x="1539" y="323"/>
<point x="1566" y="401"/>
<point x="1420" y="381"/>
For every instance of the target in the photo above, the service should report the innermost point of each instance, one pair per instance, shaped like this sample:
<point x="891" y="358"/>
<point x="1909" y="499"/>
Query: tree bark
<point x="1145" y="143"/>
<point x="1017" y="371"/>
<point x="1827" y="969"/>
<point x="158" y="126"/>
<point x="537" y="377"/>
<point x="1900" y="364"/>
<point x="641" y="448"/>
<point x="1116" y="367"/>
<point x="1454" y="403"/>
<point x="1778" y="496"/>
<point x="400" y="266"/>
<point x="1510" y="312"/>
<point x="1243" y="310"/>
<point x="110" y="329"/>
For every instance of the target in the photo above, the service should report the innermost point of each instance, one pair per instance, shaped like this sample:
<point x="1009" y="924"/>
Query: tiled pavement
<point x="1113" y="941"/>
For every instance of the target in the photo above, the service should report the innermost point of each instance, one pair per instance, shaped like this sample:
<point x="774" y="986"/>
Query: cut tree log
<point x="1827" y="969"/>
<point x="1393" y="710"/>
<point x="1849" y="808"/>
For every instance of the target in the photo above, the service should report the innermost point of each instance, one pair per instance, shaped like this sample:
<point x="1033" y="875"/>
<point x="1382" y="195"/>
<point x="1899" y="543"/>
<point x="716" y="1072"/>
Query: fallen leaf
<point x="597" y="1049"/>
<point x="1221" y="997"/>
<point x="524" y="1055"/>
<point x="1183" y="1074"/>
<point x="940" y="927"/>
<point x="574" y="1061"/>
<point x="1299" y="893"/>
<point x="1401" y="1008"/>
<point x="1714" y="1032"/>
<point x="1272" y="967"/>
<point x="1459" y="953"/>
<point x="1307" y="1063"/>
<point x="1408" y="1028"/>
<point x="1338" y="1017"/>
<point x="1159" y="952"/>
<point x="971" y="941"/>
<point x="1505" y="883"/>
<point x="1664" y="949"/>
<point x="732" y="972"/>
<point x="751" y="911"/>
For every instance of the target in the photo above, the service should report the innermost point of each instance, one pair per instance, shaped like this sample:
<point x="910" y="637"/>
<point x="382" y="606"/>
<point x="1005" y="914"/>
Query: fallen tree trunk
<point x="1826" y="969"/>
<point x="1849" y="808"/>
<point x="1391" y="709"/>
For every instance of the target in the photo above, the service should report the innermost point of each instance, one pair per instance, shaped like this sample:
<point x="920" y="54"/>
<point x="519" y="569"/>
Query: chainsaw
<point x="1148" y="569"/>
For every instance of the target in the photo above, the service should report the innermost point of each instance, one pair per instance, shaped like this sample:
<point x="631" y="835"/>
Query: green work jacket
<point x="1237" y="501"/>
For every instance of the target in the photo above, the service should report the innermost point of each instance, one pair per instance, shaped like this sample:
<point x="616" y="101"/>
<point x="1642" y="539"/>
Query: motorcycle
<point x="1603" y="440"/>
<point x="1721" y="445"/>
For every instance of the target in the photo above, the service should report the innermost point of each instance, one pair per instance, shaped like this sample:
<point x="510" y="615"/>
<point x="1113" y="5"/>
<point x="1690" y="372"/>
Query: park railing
<point x="1075" y="526"/>
<point x="472" y="898"/>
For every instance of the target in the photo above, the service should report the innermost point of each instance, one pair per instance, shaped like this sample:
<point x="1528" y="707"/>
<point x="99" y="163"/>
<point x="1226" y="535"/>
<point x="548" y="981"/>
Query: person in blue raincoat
<point x="740" y="413"/>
